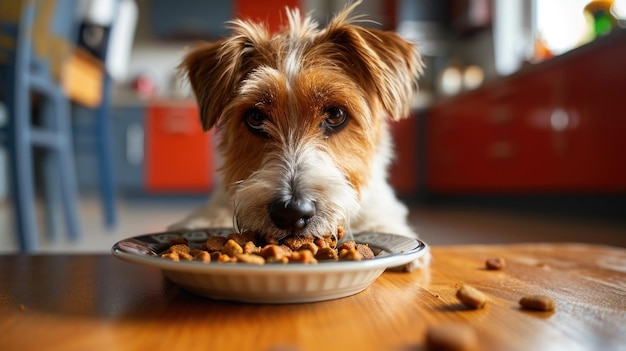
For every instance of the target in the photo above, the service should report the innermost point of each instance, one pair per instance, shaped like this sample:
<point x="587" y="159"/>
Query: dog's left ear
<point x="381" y="61"/>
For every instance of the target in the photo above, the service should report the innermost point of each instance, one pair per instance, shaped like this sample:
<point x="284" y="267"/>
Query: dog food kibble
<point x="275" y="253"/>
<point x="538" y="303"/>
<point x="178" y="241"/>
<point x="365" y="251"/>
<point x="496" y="263"/>
<point x="353" y="251"/>
<point x="451" y="337"/>
<point x="214" y="243"/>
<point x="349" y="255"/>
<point x="295" y="242"/>
<point x="242" y="238"/>
<point x="309" y="246"/>
<point x="249" y="247"/>
<point x="303" y="256"/>
<point x="348" y="245"/>
<point x="171" y="256"/>
<point x="231" y="248"/>
<point x="220" y="257"/>
<point x="327" y="254"/>
<point x="201" y="256"/>
<point x="471" y="297"/>
<point x="248" y="258"/>
<point x="179" y="248"/>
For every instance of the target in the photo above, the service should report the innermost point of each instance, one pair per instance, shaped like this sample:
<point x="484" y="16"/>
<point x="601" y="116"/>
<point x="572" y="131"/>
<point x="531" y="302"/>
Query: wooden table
<point x="97" y="302"/>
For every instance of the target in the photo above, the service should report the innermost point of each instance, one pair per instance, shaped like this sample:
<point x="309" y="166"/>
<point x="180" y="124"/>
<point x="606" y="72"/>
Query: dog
<point x="303" y="123"/>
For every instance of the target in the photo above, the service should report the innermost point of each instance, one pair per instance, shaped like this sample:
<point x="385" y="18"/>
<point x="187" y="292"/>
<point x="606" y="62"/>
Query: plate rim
<point x="392" y="260"/>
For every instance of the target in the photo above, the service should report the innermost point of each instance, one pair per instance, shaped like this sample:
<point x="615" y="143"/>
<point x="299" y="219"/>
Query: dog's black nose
<point x="292" y="214"/>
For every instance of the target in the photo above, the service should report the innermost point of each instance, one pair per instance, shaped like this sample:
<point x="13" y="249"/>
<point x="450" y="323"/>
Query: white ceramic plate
<point x="270" y="283"/>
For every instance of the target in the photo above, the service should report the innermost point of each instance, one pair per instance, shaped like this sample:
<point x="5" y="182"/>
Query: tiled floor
<point x="441" y="225"/>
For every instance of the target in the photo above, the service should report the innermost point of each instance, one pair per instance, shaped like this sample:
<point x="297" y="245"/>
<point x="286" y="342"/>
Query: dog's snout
<point x="292" y="214"/>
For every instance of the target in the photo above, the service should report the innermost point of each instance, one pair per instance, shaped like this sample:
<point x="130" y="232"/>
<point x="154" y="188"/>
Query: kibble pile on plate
<point x="249" y="247"/>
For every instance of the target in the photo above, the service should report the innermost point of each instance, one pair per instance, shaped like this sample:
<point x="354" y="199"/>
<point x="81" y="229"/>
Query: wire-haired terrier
<point x="302" y="118"/>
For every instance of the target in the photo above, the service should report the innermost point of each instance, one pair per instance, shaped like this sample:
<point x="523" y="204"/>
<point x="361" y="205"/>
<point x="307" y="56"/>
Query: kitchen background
<point x="520" y="106"/>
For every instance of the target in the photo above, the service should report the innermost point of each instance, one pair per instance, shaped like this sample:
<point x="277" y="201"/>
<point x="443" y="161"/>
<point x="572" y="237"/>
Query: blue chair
<point x="23" y="73"/>
<point x="102" y="117"/>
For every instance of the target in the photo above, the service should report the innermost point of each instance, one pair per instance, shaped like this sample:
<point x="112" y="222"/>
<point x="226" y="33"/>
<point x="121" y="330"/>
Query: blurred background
<point x="516" y="135"/>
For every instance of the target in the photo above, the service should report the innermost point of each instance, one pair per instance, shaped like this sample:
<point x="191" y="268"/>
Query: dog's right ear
<point x="211" y="84"/>
<point x="213" y="71"/>
<point x="216" y="69"/>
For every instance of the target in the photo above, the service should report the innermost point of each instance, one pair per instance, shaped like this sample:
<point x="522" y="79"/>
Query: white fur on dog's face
<point x="279" y="104"/>
<point x="295" y="167"/>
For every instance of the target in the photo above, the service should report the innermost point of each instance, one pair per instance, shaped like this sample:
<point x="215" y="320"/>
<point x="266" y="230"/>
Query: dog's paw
<point x="421" y="263"/>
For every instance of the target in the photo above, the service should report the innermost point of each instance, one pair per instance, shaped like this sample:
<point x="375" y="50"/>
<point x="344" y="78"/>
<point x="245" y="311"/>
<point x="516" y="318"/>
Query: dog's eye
<point x="335" y="118"/>
<point x="255" y="119"/>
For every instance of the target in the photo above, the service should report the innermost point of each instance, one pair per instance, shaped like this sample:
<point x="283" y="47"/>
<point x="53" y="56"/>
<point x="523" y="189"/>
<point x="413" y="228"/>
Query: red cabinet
<point x="559" y="126"/>
<point x="403" y="173"/>
<point x="179" y="154"/>
<point x="272" y="13"/>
